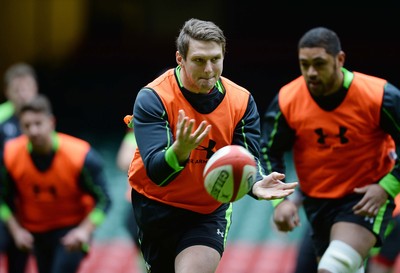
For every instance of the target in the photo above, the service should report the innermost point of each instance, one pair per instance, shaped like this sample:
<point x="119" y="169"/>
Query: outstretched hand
<point x="271" y="187"/>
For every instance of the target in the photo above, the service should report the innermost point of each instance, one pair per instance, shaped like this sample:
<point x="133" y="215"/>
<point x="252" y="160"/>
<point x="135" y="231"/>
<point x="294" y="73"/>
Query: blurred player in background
<point x="53" y="190"/>
<point x="343" y="128"/>
<point x="382" y="259"/>
<point x="124" y="158"/>
<point x="20" y="86"/>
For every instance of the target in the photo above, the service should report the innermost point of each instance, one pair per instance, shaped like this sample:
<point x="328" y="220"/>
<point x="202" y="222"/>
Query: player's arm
<point x="93" y="181"/>
<point x="276" y="138"/>
<point x="390" y="123"/>
<point x="7" y="191"/>
<point x="247" y="133"/>
<point x="23" y="239"/>
<point x="154" y="138"/>
<point x="126" y="151"/>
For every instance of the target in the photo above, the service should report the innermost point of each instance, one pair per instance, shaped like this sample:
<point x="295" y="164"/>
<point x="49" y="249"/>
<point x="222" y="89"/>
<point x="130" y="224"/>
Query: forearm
<point x="13" y="225"/>
<point x="89" y="224"/>
<point x="155" y="139"/>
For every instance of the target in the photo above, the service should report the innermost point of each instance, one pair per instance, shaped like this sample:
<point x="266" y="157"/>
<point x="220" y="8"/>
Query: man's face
<point x="38" y="127"/>
<point x="21" y="90"/>
<point x="320" y="70"/>
<point x="203" y="66"/>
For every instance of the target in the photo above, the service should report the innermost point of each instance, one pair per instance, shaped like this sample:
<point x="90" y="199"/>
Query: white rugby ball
<point x="229" y="173"/>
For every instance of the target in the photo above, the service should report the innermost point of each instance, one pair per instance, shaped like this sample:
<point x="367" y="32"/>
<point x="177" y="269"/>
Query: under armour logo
<point x="220" y="233"/>
<point x="369" y="219"/>
<point x="209" y="149"/>
<point x="39" y="189"/>
<point x="321" y="136"/>
<point x="342" y="132"/>
<point x="148" y="267"/>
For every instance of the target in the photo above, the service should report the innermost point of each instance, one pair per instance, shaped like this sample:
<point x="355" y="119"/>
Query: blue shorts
<point x="164" y="231"/>
<point x="323" y="213"/>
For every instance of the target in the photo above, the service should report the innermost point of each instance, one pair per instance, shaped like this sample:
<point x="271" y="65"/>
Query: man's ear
<point x="178" y="58"/>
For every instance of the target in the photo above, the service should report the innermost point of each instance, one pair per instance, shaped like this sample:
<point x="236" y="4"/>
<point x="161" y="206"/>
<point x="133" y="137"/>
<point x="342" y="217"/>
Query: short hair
<point x="18" y="70"/>
<point x="199" y="30"/>
<point x="39" y="104"/>
<point x="321" y="37"/>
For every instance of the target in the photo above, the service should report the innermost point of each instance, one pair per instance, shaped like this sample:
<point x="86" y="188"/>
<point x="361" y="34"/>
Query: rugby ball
<point x="229" y="173"/>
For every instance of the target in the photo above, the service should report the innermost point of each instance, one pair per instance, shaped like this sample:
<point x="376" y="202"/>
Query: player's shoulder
<point x="231" y="84"/>
<point x="6" y="111"/>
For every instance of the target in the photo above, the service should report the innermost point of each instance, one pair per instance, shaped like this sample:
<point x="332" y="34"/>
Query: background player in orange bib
<point x="53" y="190"/>
<point x="343" y="128"/>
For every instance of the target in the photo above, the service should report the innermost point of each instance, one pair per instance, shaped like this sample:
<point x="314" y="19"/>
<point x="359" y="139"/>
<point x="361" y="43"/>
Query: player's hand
<point x="23" y="239"/>
<point x="374" y="197"/>
<point x="271" y="187"/>
<point x="286" y="216"/>
<point x="76" y="239"/>
<point x="187" y="139"/>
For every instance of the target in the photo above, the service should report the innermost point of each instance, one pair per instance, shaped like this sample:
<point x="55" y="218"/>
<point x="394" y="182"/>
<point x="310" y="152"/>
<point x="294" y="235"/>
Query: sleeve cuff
<point x="276" y="202"/>
<point x="5" y="212"/>
<point x="97" y="217"/>
<point x="172" y="160"/>
<point x="390" y="184"/>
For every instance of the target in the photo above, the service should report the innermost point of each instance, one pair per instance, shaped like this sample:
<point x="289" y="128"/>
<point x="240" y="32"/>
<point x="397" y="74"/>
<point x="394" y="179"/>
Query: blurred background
<point x="93" y="56"/>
